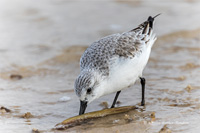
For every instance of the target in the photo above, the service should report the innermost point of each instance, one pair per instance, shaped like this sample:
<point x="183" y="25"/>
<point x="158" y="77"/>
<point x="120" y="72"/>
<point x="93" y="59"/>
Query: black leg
<point x="142" y="81"/>
<point x="115" y="100"/>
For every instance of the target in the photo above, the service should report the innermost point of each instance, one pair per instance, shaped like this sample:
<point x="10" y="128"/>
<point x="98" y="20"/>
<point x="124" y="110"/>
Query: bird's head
<point x="85" y="88"/>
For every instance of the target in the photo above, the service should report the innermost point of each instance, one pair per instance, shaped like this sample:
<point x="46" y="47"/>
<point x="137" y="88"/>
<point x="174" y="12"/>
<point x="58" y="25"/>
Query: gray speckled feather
<point x="125" y="45"/>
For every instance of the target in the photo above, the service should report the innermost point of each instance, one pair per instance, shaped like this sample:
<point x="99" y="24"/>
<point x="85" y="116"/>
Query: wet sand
<point x="40" y="51"/>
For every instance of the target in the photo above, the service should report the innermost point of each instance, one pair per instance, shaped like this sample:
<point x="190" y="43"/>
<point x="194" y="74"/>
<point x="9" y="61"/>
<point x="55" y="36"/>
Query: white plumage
<point x="114" y="62"/>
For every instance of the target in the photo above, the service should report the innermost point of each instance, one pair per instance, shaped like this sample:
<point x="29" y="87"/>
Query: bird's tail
<point x="146" y="25"/>
<point x="145" y="31"/>
<point x="149" y="23"/>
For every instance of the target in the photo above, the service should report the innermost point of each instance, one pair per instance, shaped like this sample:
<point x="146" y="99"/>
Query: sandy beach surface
<point x="40" y="46"/>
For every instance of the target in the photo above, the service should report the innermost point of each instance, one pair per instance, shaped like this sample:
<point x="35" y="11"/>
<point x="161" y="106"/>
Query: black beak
<point x="83" y="106"/>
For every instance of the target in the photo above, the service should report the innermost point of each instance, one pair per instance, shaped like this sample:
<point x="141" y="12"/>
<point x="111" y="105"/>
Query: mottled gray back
<point x="125" y="45"/>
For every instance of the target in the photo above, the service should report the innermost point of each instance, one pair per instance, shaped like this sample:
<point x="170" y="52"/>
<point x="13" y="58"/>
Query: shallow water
<point x="43" y="42"/>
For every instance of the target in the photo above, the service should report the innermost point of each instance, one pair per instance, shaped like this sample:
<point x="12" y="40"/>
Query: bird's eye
<point x="89" y="90"/>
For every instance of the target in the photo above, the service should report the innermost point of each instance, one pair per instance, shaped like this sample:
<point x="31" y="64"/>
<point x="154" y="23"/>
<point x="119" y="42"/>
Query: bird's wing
<point x="131" y="43"/>
<point x="98" y="54"/>
<point x="128" y="45"/>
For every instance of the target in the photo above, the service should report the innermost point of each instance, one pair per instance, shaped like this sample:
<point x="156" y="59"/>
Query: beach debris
<point x="189" y="88"/>
<point x="118" y="102"/>
<point x="27" y="115"/>
<point x="104" y="105"/>
<point x="153" y="116"/>
<point x="34" y="130"/>
<point x="4" y="110"/>
<point x="189" y="66"/>
<point x="16" y="76"/>
<point x="128" y="118"/>
<point x="180" y="105"/>
<point x="181" y="78"/>
<point x="165" y="129"/>
<point x="77" y="120"/>
<point x="64" y="99"/>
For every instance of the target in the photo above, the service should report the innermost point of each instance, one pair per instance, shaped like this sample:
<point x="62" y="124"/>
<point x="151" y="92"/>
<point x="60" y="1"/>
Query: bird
<point x="114" y="63"/>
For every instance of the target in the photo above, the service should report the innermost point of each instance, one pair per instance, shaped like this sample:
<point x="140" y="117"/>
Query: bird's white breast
<point x="124" y="72"/>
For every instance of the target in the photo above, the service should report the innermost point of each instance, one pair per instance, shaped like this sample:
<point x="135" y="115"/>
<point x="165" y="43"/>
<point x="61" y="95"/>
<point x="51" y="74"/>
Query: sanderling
<point x="114" y="63"/>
